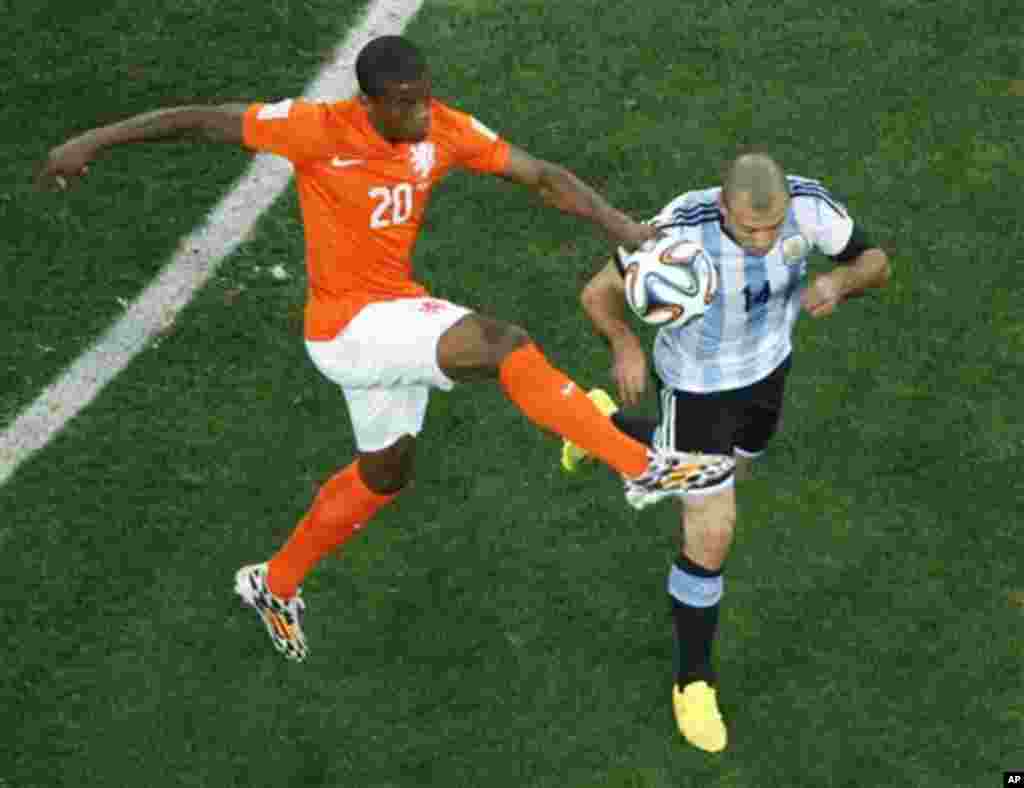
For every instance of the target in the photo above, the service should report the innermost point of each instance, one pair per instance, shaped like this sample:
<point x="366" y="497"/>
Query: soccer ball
<point x="669" y="281"/>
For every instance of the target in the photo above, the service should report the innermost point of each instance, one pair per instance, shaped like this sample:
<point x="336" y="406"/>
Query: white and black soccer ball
<point x="669" y="281"/>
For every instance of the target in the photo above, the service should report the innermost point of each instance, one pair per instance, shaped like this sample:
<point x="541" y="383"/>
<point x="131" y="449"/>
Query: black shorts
<point x="721" y="422"/>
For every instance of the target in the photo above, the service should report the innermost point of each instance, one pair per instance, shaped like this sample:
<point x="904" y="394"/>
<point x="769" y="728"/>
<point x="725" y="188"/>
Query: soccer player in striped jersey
<point x="721" y="379"/>
<point x="365" y="169"/>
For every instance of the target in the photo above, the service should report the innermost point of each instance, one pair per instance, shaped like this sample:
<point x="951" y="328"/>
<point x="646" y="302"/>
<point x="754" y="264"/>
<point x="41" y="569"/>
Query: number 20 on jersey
<point x="393" y="206"/>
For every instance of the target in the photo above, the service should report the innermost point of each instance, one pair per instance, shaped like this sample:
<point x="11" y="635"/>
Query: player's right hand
<point x="629" y="370"/>
<point x="65" y="162"/>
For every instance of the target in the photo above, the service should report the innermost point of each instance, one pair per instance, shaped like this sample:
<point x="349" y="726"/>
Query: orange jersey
<point x="362" y="197"/>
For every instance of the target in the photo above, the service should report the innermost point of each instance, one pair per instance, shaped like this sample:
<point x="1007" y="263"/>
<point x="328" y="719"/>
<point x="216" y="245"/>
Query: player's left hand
<point x="629" y="369"/>
<point x="65" y="163"/>
<point x="822" y="296"/>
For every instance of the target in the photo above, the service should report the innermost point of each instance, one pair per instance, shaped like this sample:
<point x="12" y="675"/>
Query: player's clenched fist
<point x="822" y="296"/>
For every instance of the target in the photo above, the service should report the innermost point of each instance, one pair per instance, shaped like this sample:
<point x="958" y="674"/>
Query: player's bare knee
<point x="708" y="524"/>
<point x="476" y="345"/>
<point x="388" y="470"/>
<point x="499" y="339"/>
<point x="385" y="477"/>
<point x="511" y="338"/>
<point x="709" y="549"/>
<point x="717" y="541"/>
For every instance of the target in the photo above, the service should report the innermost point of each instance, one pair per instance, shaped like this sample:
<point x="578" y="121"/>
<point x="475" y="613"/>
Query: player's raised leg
<point x="639" y="427"/>
<point x="573" y="455"/>
<point x="480" y="347"/>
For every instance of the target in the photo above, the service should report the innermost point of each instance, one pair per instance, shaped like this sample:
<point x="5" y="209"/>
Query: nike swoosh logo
<point x="336" y="162"/>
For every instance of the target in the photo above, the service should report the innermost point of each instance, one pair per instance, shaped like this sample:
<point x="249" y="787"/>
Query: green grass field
<point x="503" y="625"/>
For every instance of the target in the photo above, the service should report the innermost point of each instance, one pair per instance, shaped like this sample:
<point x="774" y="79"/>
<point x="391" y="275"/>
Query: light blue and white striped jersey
<point x="748" y="330"/>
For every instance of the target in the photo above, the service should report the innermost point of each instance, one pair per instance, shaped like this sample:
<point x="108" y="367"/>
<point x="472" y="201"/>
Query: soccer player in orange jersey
<point x="365" y="169"/>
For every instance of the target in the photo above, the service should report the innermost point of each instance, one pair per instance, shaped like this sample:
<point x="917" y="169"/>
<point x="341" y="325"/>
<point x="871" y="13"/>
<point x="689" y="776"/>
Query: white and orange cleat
<point x="282" y="617"/>
<point x="675" y="473"/>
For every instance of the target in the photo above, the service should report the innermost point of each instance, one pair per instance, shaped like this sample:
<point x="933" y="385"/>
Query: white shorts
<point x="385" y="361"/>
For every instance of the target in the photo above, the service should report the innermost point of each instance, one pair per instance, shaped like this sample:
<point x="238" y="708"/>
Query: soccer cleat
<point x="673" y="473"/>
<point x="573" y="455"/>
<point x="698" y="717"/>
<point x="281" y="616"/>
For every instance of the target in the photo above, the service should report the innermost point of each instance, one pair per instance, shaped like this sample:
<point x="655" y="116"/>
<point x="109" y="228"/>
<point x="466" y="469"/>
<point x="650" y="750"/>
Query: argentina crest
<point x="795" y="249"/>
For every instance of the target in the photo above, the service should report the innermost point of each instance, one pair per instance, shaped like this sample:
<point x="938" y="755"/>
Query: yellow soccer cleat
<point x="698" y="717"/>
<point x="573" y="455"/>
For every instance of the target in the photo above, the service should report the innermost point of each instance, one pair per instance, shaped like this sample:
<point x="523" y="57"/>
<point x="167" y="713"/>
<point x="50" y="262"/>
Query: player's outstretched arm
<point x="221" y="123"/>
<point x="561" y="189"/>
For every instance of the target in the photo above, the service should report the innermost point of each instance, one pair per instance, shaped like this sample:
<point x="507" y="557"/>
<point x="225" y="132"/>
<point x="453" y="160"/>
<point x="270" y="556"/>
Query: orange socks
<point x="343" y="506"/>
<point x="546" y="396"/>
<point x="554" y="402"/>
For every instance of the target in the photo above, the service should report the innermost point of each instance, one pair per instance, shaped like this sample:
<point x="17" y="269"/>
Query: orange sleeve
<point x="478" y="148"/>
<point x="294" y="129"/>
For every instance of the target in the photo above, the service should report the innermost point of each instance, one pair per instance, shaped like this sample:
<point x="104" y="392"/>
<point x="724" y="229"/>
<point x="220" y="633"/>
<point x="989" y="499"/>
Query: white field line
<point x="197" y="258"/>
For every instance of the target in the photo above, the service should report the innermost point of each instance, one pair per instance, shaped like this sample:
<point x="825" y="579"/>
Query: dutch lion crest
<point x="423" y="156"/>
